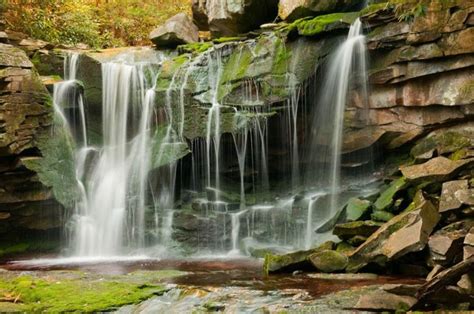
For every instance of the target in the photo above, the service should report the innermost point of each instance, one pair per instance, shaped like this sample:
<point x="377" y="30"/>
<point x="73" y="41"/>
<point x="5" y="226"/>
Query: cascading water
<point x="130" y="189"/>
<point x="110" y="215"/>
<point x="348" y="62"/>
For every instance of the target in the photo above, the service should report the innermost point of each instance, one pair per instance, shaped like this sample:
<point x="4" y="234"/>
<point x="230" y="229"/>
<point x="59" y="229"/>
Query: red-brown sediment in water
<point x="224" y="273"/>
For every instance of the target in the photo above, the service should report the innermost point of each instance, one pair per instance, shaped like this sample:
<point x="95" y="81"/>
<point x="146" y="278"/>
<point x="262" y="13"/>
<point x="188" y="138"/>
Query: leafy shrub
<point x="97" y="23"/>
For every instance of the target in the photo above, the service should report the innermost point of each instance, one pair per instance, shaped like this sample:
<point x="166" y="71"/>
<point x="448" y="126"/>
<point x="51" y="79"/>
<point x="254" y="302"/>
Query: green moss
<point x="442" y="142"/>
<point x="356" y="208"/>
<point x="28" y="246"/>
<point x="76" y="292"/>
<point x="56" y="168"/>
<point x="281" y="58"/>
<point x="195" y="48"/>
<point x="319" y="24"/>
<point x="385" y="199"/>
<point x="228" y="39"/>
<point x="381" y="215"/>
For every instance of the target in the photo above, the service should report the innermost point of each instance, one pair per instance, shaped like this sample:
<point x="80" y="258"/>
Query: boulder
<point x="348" y="230"/>
<point x="356" y="208"/>
<point x="386" y="199"/>
<point x="329" y="261"/>
<point x="448" y="200"/>
<point x="231" y="17"/>
<point x="291" y="10"/>
<point x="405" y="233"/>
<point x="177" y="30"/>
<point x="435" y="170"/>
<point x="299" y="260"/>
<point x="446" y="245"/>
<point x="384" y="301"/>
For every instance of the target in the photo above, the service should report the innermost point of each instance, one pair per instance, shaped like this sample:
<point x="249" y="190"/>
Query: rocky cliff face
<point x="26" y="204"/>
<point x="421" y="74"/>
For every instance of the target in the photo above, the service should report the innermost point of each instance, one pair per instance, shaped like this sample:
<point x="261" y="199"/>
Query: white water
<point x="110" y="216"/>
<point x="347" y="63"/>
<point x="113" y="178"/>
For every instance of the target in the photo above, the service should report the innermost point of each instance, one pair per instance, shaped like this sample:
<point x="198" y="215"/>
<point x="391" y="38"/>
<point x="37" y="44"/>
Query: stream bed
<point x="216" y="284"/>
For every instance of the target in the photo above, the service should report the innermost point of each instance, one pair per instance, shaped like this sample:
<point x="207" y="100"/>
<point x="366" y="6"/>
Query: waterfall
<point x="348" y="62"/>
<point x="111" y="215"/>
<point x="133" y="197"/>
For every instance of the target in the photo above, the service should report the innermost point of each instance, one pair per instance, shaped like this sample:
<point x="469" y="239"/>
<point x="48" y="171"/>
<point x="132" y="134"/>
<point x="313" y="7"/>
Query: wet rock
<point x="384" y="301"/>
<point x="348" y="230"/>
<point x="405" y="233"/>
<point x="295" y="9"/>
<point x="356" y="208"/>
<point x="386" y="199"/>
<point x="177" y="30"/>
<point x="448" y="200"/>
<point x="230" y="17"/>
<point x="329" y="261"/>
<point x="435" y="170"/>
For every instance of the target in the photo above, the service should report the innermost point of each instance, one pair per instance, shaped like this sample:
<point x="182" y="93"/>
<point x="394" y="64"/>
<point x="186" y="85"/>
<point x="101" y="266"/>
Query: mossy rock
<point x="329" y="261"/>
<point x="386" y="199"/>
<point x="356" y="208"/>
<point x="356" y="228"/>
<point x="381" y="215"/>
<point x="442" y="142"/>
<point x="322" y="23"/>
<point x="293" y="261"/>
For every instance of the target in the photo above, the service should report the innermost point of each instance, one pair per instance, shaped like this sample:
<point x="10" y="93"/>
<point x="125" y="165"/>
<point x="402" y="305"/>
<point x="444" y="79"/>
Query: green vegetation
<point x="319" y="24"/>
<point x="93" y="22"/>
<point x="75" y="291"/>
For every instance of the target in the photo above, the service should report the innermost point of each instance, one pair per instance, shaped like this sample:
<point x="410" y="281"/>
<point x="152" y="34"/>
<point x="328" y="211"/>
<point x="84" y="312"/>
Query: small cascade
<point x="346" y="69"/>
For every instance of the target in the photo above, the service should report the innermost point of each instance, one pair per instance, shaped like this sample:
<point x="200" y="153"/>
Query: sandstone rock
<point x="450" y="89"/>
<point x="231" y="17"/>
<point x="407" y="232"/>
<point x="356" y="228"/>
<point x="295" y="9"/>
<point x="329" y="261"/>
<point x="436" y="270"/>
<point x="444" y="248"/>
<point x="177" y="30"/>
<point x="445" y="140"/>
<point x="432" y="288"/>
<point x="384" y="301"/>
<point x="435" y="170"/>
<point x="448" y="200"/>
<point x="465" y="196"/>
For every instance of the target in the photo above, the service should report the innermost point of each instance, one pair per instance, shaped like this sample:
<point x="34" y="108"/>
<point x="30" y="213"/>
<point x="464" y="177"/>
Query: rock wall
<point x="421" y="74"/>
<point x="27" y="206"/>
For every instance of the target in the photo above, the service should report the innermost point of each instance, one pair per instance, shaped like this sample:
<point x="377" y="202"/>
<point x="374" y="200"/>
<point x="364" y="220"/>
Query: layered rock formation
<point x="26" y="204"/>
